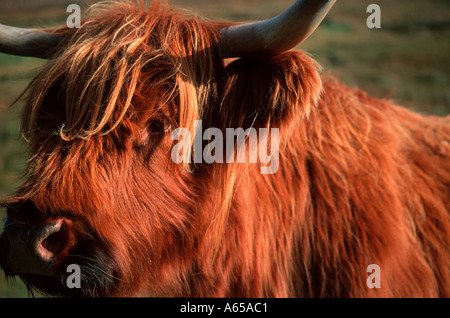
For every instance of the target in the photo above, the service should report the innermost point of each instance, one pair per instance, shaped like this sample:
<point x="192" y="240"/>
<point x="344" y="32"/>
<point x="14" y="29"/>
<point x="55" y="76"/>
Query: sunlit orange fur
<point x="361" y="181"/>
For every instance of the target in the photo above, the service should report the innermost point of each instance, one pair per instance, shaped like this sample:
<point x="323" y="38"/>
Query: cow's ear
<point x="273" y="91"/>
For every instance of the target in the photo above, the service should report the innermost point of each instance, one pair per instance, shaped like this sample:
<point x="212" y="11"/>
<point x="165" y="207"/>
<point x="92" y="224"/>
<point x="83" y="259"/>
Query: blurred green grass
<point x="407" y="59"/>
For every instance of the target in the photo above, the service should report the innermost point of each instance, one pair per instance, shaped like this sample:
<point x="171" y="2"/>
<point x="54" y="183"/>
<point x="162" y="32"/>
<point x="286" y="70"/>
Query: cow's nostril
<point x="55" y="241"/>
<point x="38" y="249"/>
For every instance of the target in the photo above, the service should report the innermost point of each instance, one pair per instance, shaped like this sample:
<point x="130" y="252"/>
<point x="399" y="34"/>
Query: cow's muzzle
<point x="37" y="248"/>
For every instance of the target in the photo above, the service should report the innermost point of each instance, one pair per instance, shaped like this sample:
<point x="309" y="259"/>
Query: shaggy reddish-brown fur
<point x="361" y="181"/>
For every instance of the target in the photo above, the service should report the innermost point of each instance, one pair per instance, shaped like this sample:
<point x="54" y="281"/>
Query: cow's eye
<point x="159" y="127"/>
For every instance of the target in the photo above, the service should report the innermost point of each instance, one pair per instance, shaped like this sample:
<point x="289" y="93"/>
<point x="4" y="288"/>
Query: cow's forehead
<point x="113" y="65"/>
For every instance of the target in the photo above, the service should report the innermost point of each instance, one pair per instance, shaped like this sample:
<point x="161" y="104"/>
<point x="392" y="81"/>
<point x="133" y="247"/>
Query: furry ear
<point x="272" y="91"/>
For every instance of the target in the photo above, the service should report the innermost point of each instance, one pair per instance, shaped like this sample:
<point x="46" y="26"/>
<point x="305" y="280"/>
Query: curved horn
<point x="278" y="34"/>
<point x="27" y="42"/>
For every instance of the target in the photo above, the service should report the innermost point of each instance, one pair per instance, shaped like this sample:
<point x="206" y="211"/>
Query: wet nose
<point x="35" y="249"/>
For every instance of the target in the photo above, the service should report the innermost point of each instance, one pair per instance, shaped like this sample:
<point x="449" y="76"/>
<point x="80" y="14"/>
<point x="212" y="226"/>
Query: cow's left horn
<point x="27" y="42"/>
<point x="275" y="35"/>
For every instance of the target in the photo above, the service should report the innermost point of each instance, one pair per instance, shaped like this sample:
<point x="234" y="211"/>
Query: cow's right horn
<point x="27" y="42"/>
<point x="275" y="35"/>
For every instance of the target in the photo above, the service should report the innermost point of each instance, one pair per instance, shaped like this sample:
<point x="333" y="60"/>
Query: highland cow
<point x="360" y="180"/>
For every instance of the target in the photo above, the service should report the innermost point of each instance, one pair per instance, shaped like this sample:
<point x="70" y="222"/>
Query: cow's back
<point x="379" y="182"/>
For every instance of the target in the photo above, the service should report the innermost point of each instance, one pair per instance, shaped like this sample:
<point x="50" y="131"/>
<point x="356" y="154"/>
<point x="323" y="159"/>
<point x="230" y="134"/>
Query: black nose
<point x="34" y="249"/>
<point x="32" y="244"/>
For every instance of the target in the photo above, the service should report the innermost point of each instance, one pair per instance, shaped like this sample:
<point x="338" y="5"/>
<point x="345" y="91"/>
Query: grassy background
<point x="407" y="60"/>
